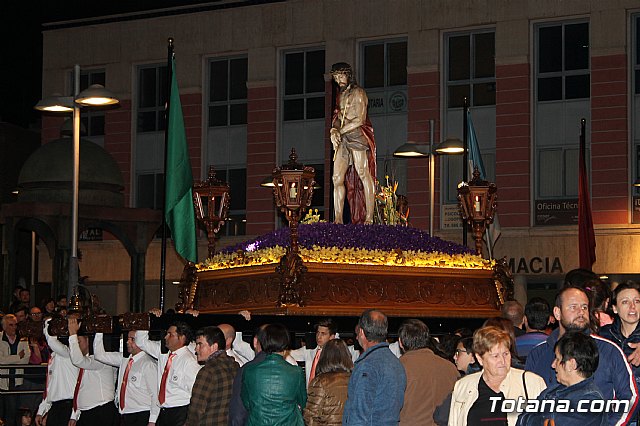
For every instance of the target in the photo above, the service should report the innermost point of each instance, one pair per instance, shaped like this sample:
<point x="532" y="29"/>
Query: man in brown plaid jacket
<point x="211" y="392"/>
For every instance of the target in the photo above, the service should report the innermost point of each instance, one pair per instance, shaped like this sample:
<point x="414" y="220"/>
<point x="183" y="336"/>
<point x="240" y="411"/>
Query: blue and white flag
<point x="475" y="161"/>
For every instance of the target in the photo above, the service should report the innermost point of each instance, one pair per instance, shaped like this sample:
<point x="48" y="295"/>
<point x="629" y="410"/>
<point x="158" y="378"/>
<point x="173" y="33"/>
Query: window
<point x="91" y="120"/>
<point x="303" y="85"/>
<point x="237" y="180"/>
<point x="562" y="70"/>
<point x="635" y="129"/>
<point x="384" y="64"/>
<point x="562" y="91"/>
<point x="152" y="95"/>
<point x="471" y="69"/>
<point x="469" y="73"/>
<point x="227" y="92"/>
<point x="150" y="191"/>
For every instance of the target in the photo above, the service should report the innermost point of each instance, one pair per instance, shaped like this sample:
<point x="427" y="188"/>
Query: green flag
<point x="178" y="201"/>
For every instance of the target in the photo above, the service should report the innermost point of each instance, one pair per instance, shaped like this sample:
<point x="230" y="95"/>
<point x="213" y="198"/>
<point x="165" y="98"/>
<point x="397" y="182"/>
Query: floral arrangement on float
<point x="330" y="243"/>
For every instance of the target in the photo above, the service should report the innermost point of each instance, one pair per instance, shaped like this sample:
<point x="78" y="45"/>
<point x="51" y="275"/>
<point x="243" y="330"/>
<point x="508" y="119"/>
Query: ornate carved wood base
<point x="331" y="289"/>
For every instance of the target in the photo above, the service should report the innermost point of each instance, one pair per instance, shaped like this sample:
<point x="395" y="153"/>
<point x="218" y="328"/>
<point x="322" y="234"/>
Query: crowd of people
<point x="516" y="369"/>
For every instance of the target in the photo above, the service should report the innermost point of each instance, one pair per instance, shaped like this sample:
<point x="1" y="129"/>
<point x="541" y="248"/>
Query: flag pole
<point x="465" y="158"/>
<point x="163" y="248"/>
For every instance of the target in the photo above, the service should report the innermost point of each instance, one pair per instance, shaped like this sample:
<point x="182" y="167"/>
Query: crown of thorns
<point x="340" y="68"/>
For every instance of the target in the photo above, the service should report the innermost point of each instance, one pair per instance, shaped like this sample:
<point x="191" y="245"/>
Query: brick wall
<point x="261" y="157"/>
<point x="609" y="140"/>
<point x="513" y="144"/>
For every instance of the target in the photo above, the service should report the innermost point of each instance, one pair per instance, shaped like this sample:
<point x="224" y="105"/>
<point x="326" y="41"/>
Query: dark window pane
<point x="238" y="114"/>
<point x="637" y="41"/>
<point x="484" y="59"/>
<point x="238" y="89"/>
<point x="459" y="66"/>
<point x="84" y="124"/>
<point x="457" y="95"/>
<point x="218" y="115"/>
<point x="97" y="125"/>
<point x="484" y="94"/>
<point x="147" y="88"/>
<point x="161" y="120"/>
<point x="637" y="82"/>
<point x="317" y="199"/>
<point x="84" y="82"/>
<point x="162" y="86"/>
<point x="550" y="89"/>
<point x="397" y="63"/>
<point x="159" y="191"/>
<point x="550" y="49"/>
<point x="314" y="78"/>
<point x="293" y="109"/>
<point x="145" y="192"/>
<point x="576" y="46"/>
<point x="315" y="107"/>
<point x="238" y="187"/>
<point x="374" y="66"/>
<point x="98" y="78"/>
<point x="577" y="86"/>
<point x="218" y="81"/>
<point x="293" y="73"/>
<point x="147" y="121"/>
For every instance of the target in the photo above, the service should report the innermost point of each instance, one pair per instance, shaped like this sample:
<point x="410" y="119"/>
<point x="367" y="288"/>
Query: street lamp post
<point x="94" y="95"/>
<point x="293" y="185"/>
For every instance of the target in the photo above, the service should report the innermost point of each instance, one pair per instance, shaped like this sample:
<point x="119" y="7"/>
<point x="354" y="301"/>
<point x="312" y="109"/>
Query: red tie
<point x="314" y="365"/>
<point x="46" y="382"/>
<point x="123" y="386"/>
<point x="76" y="391"/>
<point x="163" y="382"/>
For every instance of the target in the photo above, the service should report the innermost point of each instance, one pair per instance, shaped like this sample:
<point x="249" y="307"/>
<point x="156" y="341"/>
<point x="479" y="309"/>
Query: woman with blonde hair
<point x="328" y="390"/>
<point x="477" y="398"/>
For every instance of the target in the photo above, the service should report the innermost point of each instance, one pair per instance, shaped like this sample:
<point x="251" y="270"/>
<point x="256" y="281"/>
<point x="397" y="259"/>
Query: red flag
<point x="586" y="235"/>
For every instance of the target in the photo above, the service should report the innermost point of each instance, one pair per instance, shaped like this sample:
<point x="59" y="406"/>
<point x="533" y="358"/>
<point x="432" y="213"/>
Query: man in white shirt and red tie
<point x="95" y="387"/>
<point x="326" y="330"/>
<point x="137" y="385"/>
<point x="177" y="371"/>
<point x="61" y="380"/>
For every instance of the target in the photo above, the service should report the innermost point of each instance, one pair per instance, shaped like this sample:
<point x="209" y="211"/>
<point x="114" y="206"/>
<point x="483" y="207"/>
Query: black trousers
<point x="172" y="416"/>
<point x="102" y="415"/>
<point x="140" y="418"/>
<point x="59" y="413"/>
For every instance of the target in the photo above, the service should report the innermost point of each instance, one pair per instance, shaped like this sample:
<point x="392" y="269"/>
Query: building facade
<point x="254" y="83"/>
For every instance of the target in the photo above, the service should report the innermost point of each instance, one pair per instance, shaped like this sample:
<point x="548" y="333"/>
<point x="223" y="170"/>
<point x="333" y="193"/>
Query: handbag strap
<point x="524" y="385"/>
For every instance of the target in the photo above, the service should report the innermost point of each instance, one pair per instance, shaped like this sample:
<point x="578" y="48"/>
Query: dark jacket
<point x="376" y="389"/>
<point x="209" y="405"/>
<point x="326" y="397"/>
<point x="613" y="332"/>
<point x="613" y="376"/>
<point x="585" y="390"/>
<point x="237" y="413"/>
<point x="274" y="392"/>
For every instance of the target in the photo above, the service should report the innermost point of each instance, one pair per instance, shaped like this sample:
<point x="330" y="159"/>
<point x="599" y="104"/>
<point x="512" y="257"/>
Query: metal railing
<point x="31" y="371"/>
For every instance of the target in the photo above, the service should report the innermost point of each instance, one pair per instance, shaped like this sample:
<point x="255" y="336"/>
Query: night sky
<point x="21" y="58"/>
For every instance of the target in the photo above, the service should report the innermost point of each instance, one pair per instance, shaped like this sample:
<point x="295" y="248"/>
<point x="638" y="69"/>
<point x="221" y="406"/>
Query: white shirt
<point x="141" y="393"/>
<point x="307" y="355"/>
<point x="240" y="350"/>
<point x="182" y="375"/>
<point x="61" y="372"/>
<point x="98" y="380"/>
<point x="7" y="358"/>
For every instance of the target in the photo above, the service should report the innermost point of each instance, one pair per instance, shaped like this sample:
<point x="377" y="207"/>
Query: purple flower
<point x="370" y="237"/>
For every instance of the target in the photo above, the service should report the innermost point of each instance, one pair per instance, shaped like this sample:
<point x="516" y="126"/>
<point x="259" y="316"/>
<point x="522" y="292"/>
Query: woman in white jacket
<point x="478" y="398"/>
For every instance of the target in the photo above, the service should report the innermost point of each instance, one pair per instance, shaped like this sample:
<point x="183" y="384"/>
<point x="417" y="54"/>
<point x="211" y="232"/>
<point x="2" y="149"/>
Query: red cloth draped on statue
<point x="352" y="182"/>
